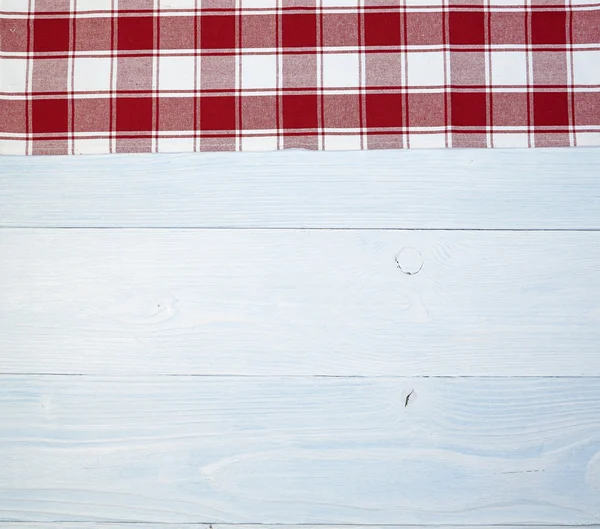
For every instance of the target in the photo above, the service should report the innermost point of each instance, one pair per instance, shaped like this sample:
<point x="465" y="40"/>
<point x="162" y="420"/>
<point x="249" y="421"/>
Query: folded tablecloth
<point x="103" y="76"/>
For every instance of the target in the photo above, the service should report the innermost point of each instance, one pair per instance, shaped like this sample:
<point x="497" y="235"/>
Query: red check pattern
<point x="106" y="76"/>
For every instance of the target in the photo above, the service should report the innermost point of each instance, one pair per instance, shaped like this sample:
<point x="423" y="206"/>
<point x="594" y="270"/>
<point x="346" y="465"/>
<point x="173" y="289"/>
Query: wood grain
<point x="168" y="525"/>
<point x="300" y="450"/>
<point x="451" y="189"/>
<point x="274" y="302"/>
<point x="371" y="441"/>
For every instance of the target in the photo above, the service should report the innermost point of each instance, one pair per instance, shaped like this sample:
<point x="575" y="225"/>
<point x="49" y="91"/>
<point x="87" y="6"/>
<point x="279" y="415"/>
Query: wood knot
<point x="409" y="260"/>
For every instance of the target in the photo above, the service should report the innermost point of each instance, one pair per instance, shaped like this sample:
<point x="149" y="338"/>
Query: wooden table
<point x="364" y="338"/>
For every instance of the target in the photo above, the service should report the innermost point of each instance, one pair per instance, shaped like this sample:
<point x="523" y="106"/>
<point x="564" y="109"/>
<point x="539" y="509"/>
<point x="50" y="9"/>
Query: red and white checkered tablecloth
<point x="104" y="76"/>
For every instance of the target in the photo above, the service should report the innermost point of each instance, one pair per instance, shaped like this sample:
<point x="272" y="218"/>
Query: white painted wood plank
<point x="300" y="450"/>
<point x="275" y="302"/>
<point x="455" y="189"/>
<point x="168" y="525"/>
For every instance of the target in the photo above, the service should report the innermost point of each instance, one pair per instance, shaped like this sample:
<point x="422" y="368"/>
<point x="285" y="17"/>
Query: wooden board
<point x="168" y="525"/>
<point x="449" y="189"/>
<point x="300" y="450"/>
<point x="384" y="378"/>
<point x="274" y="302"/>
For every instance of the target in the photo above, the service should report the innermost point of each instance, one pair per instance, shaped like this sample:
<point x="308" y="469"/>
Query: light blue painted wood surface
<point x="461" y="380"/>
<point x="448" y="189"/>
<point x="129" y="525"/>
<point x="300" y="450"/>
<point x="299" y="302"/>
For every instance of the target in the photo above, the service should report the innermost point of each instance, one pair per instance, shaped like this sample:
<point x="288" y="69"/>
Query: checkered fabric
<point x="105" y="76"/>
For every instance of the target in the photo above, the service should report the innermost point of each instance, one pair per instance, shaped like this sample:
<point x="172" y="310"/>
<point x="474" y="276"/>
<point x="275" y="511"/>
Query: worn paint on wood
<point x="300" y="450"/>
<point x="258" y="302"/>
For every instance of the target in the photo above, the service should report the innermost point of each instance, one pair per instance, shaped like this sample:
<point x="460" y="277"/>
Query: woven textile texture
<point x="103" y="76"/>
